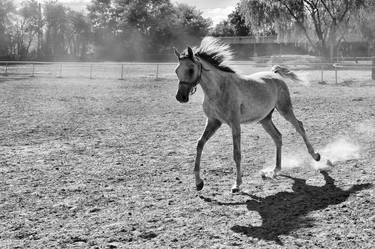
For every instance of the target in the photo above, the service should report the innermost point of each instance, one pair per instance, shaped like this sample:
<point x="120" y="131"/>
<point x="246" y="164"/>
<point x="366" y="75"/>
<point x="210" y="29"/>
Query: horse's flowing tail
<point x="285" y="72"/>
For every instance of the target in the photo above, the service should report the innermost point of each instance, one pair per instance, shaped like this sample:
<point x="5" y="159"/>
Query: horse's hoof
<point x="200" y="186"/>
<point x="235" y="190"/>
<point x="269" y="174"/>
<point x="317" y="157"/>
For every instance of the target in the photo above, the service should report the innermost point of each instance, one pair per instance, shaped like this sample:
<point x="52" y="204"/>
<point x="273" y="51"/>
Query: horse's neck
<point x="212" y="79"/>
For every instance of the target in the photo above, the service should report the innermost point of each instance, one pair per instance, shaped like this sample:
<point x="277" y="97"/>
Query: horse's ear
<point x="191" y="54"/>
<point x="176" y="52"/>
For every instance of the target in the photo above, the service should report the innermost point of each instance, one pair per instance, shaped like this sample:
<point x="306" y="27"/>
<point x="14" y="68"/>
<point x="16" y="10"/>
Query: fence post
<point x="122" y="72"/>
<point x="6" y="69"/>
<point x="335" y="65"/>
<point x="373" y="68"/>
<point x="60" y="75"/>
<point x="90" y="71"/>
<point x="321" y="73"/>
<point x="157" y="71"/>
<point x="33" y="73"/>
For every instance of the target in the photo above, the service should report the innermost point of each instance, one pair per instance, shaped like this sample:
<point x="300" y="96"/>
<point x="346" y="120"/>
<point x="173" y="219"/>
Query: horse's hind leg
<point x="271" y="129"/>
<point x="284" y="106"/>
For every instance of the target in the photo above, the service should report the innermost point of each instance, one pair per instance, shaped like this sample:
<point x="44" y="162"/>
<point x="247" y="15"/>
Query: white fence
<point x="318" y="71"/>
<point x="83" y="69"/>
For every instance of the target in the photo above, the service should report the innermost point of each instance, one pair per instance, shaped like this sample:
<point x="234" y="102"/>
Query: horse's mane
<point x="215" y="52"/>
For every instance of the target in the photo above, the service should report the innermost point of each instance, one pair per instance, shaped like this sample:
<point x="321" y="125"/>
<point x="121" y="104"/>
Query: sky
<point x="217" y="10"/>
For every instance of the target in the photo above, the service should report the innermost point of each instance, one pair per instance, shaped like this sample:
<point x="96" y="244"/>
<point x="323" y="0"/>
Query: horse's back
<point x="264" y="79"/>
<point x="261" y="85"/>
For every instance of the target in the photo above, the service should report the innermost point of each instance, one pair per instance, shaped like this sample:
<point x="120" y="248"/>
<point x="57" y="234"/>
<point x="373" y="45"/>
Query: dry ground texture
<point x="105" y="163"/>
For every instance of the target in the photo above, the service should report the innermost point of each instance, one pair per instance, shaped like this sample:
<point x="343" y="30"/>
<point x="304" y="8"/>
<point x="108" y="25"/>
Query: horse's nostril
<point x="181" y="98"/>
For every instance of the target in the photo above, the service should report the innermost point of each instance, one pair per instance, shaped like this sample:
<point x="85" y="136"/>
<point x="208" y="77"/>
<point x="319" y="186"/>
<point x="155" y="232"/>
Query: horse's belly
<point x="212" y="110"/>
<point x="255" y="113"/>
<point x="252" y="118"/>
<point x="213" y="113"/>
<point x="257" y="101"/>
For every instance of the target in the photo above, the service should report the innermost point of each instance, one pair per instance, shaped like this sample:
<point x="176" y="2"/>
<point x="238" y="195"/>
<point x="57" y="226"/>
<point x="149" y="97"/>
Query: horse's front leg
<point x="236" y="134"/>
<point x="211" y="127"/>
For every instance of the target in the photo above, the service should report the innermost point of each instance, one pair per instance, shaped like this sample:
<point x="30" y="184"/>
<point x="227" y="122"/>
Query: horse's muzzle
<point x="182" y="98"/>
<point x="182" y="95"/>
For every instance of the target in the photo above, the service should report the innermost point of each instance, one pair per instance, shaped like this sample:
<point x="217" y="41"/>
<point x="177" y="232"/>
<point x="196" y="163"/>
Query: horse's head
<point x="189" y="72"/>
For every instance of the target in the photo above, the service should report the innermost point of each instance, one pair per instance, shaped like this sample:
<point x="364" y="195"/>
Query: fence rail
<point x="126" y="70"/>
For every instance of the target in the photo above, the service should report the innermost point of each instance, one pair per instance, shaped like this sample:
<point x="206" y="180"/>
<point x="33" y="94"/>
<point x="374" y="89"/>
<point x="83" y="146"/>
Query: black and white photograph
<point x="187" y="124"/>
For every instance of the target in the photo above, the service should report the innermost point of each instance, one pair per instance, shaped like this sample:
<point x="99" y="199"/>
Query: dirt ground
<point x="108" y="164"/>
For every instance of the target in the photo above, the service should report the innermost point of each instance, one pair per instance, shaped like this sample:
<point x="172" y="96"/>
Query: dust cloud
<point x="341" y="148"/>
<point x="304" y="78"/>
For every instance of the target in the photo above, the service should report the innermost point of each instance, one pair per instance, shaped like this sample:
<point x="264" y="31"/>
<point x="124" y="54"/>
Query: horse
<point x="235" y="99"/>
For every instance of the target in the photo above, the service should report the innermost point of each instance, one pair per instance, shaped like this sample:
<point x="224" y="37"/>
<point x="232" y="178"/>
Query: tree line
<point x="323" y="24"/>
<point x="110" y="29"/>
<point x="147" y="29"/>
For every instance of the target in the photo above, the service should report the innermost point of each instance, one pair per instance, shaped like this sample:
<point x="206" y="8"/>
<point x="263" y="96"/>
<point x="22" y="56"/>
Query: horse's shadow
<point x="285" y="212"/>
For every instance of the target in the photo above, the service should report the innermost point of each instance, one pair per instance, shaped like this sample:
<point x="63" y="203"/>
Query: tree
<point x="67" y="32"/>
<point x="103" y="18"/>
<point x="102" y="15"/>
<point x="118" y="29"/>
<point x="55" y="16"/>
<point x="223" y="28"/>
<point x="156" y="25"/>
<point x="151" y="24"/>
<point x="364" y="22"/>
<point x="80" y="36"/>
<point x="27" y="26"/>
<point x="234" y="25"/>
<point x="323" y="22"/>
<point x="238" y="23"/>
<point x="192" y="26"/>
<point x="260" y="16"/>
<point x="6" y="10"/>
<point x="143" y="29"/>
